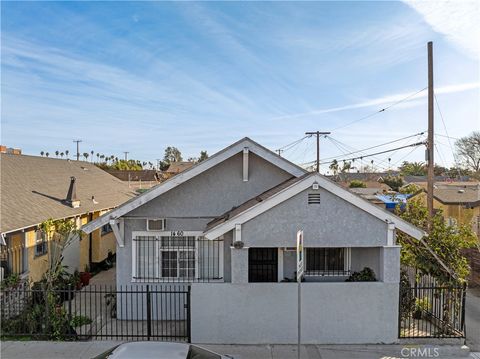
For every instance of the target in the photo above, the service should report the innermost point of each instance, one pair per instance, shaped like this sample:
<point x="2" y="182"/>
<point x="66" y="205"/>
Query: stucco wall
<point x="216" y="190"/>
<point x="266" y="313"/>
<point x="332" y="223"/>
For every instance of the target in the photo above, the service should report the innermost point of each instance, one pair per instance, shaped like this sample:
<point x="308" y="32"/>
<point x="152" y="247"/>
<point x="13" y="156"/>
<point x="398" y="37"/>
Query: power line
<point x="381" y="110"/>
<point x="292" y="144"/>
<point x="376" y="146"/>
<point x="382" y="152"/>
<point x="448" y="137"/>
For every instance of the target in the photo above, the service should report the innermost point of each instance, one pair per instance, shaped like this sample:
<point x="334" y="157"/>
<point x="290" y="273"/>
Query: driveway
<point x="472" y="319"/>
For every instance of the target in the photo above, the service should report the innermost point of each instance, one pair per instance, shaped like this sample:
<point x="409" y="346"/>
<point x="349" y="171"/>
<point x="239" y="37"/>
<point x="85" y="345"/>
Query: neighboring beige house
<point x="34" y="189"/>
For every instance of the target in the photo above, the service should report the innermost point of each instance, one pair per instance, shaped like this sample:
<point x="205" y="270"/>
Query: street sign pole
<point x="300" y="270"/>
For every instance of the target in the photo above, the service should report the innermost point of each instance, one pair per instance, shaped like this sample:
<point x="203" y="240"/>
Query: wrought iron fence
<point x="141" y="312"/>
<point x="429" y="309"/>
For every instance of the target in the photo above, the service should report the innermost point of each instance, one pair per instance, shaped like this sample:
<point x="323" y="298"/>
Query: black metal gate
<point x="428" y="309"/>
<point x="143" y="312"/>
<point x="262" y="265"/>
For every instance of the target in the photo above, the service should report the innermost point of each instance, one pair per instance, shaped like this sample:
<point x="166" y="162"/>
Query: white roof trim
<point x="300" y="186"/>
<point x="184" y="176"/>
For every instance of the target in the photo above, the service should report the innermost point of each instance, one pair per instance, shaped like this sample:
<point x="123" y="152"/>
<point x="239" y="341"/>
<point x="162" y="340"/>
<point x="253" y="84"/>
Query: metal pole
<point x="318" y="133"/>
<point x="299" y="318"/>
<point x="430" y="159"/>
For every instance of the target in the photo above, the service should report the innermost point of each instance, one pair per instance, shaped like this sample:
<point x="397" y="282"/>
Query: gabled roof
<point x="199" y="168"/>
<point x="287" y="190"/>
<point x="33" y="189"/>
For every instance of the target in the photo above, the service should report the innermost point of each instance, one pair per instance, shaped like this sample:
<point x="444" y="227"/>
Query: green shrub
<point x="365" y="275"/>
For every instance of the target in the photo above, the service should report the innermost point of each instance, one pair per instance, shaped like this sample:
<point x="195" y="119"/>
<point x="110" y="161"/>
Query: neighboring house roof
<point x="130" y="175"/>
<point x="364" y="177"/>
<point x="195" y="170"/>
<point x="446" y="179"/>
<point x="33" y="190"/>
<point x="177" y="167"/>
<point x="464" y="195"/>
<point x="288" y="189"/>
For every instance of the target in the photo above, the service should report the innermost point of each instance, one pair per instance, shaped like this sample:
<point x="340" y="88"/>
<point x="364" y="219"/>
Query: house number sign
<point x="176" y="233"/>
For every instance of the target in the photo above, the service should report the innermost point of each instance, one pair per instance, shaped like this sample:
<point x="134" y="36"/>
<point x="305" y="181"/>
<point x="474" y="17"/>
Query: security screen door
<point x="262" y="265"/>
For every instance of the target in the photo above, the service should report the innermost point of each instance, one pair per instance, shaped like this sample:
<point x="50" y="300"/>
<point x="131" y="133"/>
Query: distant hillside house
<point x="34" y="189"/>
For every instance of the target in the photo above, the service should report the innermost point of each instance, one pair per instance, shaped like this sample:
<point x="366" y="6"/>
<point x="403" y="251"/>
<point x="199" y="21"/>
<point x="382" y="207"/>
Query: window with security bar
<point x="327" y="261"/>
<point x="181" y="258"/>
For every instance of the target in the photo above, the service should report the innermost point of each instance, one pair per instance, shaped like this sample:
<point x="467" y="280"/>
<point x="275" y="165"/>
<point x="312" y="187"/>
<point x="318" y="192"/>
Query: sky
<point x="141" y="76"/>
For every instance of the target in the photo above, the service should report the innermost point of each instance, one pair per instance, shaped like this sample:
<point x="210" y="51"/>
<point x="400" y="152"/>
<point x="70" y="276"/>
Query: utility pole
<point x="318" y="133"/>
<point x="279" y="152"/>
<point x="430" y="159"/>
<point x="78" y="148"/>
<point x="126" y="155"/>
<point x="158" y="164"/>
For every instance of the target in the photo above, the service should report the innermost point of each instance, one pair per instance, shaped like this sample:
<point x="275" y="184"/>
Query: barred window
<point x="176" y="258"/>
<point x="322" y="261"/>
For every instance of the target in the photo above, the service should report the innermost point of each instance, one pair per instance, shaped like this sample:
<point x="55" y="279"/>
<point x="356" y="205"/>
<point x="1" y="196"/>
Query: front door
<point x="262" y="265"/>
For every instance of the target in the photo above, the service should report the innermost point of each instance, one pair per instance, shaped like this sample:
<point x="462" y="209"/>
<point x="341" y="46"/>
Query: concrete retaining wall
<point x="261" y="313"/>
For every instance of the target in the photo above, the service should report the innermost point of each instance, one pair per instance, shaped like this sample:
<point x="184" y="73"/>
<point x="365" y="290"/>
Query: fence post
<point x="149" y="314"/>
<point x="189" y="318"/>
<point x="462" y="320"/>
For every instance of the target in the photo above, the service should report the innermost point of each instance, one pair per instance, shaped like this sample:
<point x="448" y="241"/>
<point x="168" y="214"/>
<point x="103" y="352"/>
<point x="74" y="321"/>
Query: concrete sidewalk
<point x="76" y="350"/>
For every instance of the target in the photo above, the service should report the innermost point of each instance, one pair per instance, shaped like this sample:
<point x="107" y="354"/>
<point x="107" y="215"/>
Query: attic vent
<point x="156" y="224"/>
<point x="314" y="198"/>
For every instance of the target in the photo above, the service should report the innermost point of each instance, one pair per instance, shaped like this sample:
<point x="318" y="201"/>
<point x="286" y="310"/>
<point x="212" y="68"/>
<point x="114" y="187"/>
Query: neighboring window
<point x="41" y="245"/>
<point x="327" y="261"/>
<point x="106" y="229"/>
<point x="314" y="198"/>
<point x="156" y="224"/>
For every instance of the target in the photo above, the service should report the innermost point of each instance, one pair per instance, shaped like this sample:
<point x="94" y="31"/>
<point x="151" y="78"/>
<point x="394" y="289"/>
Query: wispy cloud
<point x="385" y="100"/>
<point x="459" y="21"/>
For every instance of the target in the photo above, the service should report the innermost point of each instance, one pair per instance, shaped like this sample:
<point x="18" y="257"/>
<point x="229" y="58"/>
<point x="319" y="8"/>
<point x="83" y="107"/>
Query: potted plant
<point x="76" y="281"/>
<point x="85" y="276"/>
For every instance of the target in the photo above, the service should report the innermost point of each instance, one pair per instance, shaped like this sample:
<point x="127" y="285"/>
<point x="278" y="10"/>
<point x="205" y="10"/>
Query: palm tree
<point x="66" y="153"/>
<point x="57" y="152"/>
<point x="102" y="157"/>
<point x="42" y="153"/>
<point x="92" y="152"/>
<point x="98" y="157"/>
<point x="85" y="154"/>
<point x="61" y="154"/>
<point x="47" y="154"/>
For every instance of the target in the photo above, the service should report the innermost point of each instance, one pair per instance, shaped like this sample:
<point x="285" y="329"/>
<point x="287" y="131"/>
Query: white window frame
<point x="347" y="261"/>
<point x="158" y="235"/>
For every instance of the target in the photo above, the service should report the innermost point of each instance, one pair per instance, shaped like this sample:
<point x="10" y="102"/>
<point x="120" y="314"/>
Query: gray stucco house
<point x="227" y="228"/>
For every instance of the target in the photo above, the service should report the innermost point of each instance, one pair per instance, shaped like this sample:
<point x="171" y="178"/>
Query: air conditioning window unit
<point x="156" y="224"/>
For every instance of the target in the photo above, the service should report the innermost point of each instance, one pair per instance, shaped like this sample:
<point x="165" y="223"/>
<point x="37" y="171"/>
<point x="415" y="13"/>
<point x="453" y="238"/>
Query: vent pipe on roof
<point x="72" y="199"/>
